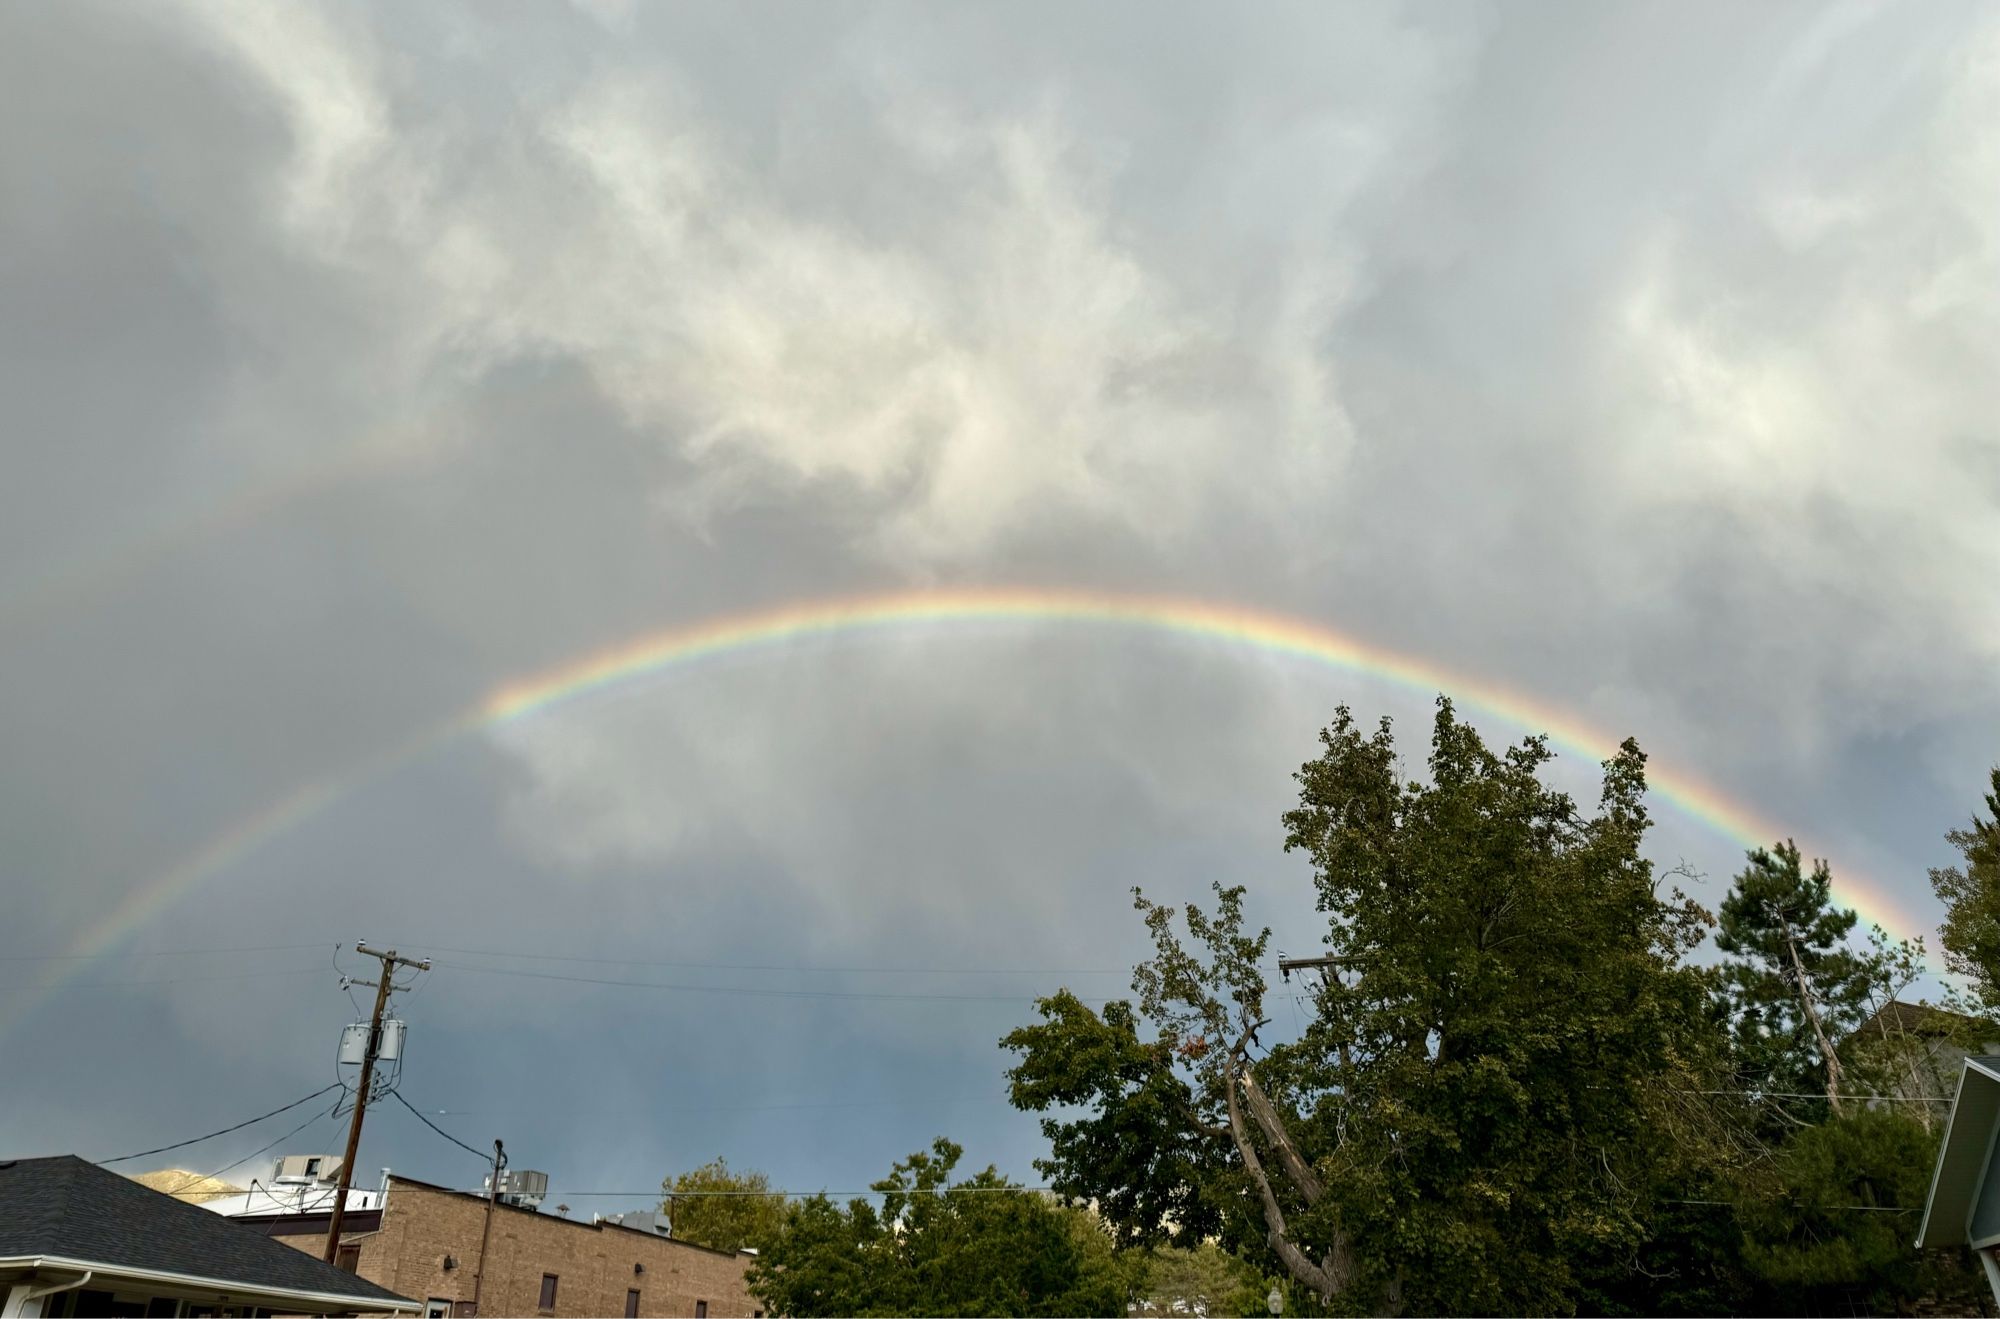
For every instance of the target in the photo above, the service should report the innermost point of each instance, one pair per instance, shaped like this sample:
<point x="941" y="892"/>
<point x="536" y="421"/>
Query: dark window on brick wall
<point x="701" y="1310"/>
<point x="548" y="1291"/>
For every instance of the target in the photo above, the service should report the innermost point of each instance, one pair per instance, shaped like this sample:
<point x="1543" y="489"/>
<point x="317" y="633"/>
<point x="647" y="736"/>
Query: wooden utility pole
<point x="486" y="1233"/>
<point x="383" y="987"/>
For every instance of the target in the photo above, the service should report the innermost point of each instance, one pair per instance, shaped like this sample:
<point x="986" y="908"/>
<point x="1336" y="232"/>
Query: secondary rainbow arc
<point x="650" y="654"/>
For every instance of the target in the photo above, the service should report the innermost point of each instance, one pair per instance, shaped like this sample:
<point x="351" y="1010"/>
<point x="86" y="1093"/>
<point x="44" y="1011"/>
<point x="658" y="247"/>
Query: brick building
<point x="424" y="1242"/>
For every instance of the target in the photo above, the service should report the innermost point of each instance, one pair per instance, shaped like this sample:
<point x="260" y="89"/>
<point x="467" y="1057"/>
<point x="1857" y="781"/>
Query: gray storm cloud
<point x="357" y="361"/>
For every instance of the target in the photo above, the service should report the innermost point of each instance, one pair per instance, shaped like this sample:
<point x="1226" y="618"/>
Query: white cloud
<point x="323" y="74"/>
<point x="1829" y="379"/>
<point x="1020" y="359"/>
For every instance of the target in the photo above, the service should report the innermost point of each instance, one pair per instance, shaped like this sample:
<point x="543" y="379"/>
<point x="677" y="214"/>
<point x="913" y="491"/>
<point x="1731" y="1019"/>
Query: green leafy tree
<point x="1827" y="1226"/>
<point x="1971" y="897"/>
<point x="723" y="1210"/>
<point x="1795" y="985"/>
<point x="1493" y="1092"/>
<point x="980" y="1246"/>
<point x="1202" y="1281"/>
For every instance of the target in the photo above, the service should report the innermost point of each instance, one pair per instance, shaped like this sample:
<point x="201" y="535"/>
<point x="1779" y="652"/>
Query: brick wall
<point x="593" y="1263"/>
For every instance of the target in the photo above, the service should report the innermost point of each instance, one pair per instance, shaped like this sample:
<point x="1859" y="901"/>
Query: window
<point x="701" y="1310"/>
<point x="631" y="1305"/>
<point x="437" y="1307"/>
<point x="548" y="1291"/>
<point x="312" y="1167"/>
<point x="348" y="1258"/>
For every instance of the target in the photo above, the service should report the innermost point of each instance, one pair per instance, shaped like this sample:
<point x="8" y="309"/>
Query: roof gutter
<point x="345" y="1300"/>
<point x="40" y="1292"/>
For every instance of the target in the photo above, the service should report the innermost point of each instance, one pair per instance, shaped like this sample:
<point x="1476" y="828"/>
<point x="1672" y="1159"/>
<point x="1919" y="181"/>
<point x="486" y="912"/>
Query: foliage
<point x="1828" y="1228"/>
<point x="1971" y="898"/>
<point x="1200" y="1282"/>
<point x="1482" y="1110"/>
<point x="981" y="1246"/>
<point x="1144" y="1156"/>
<point x="1795" y="985"/>
<point x="723" y="1210"/>
<point x="1906" y="1050"/>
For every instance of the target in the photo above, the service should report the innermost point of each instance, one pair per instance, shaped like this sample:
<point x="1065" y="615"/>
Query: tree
<point x="723" y="1210"/>
<point x="1796" y="987"/>
<point x="1201" y="1281"/>
<point x="1971" y="898"/>
<point x="1483" y="1110"/>
<point x="980" y="1246"/>
<point x="1827" y="1229"/>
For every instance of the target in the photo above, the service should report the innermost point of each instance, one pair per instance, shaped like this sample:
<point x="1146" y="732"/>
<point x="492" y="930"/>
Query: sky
<point x="360" y="363"/>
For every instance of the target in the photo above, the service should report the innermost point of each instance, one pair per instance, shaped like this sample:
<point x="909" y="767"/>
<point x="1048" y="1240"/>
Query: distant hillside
<point x="190" y="1187"/>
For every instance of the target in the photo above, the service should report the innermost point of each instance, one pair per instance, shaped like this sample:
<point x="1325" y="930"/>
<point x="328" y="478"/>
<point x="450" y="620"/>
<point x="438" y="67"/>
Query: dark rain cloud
<point x="359" y="361"/>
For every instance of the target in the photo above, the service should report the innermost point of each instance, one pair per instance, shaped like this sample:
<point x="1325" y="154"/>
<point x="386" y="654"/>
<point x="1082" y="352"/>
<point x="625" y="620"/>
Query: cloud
<point x="1821" y="382"/>
<point x="360" y="361"/>
<point x="1005" y="356"/>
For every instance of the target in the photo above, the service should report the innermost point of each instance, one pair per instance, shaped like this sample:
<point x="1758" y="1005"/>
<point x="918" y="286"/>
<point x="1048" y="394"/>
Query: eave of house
<point x="232" y="1289"/>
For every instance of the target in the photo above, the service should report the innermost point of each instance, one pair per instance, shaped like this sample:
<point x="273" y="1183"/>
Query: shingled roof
<point x="66" y="1208"/>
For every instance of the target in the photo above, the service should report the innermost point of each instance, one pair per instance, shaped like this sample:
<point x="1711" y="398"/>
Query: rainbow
<point x="643" y="657"/>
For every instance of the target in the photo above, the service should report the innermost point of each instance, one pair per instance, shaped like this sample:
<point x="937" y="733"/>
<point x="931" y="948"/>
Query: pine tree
<point x="1795" y="985"/>
<point x="1971" y="898"/>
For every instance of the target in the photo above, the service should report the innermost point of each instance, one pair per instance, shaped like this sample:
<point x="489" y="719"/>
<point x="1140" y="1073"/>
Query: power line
<point x="754" y="991"/>
<point x="265" y="1149"/>
<point x="397" y="1095"/>
<point x="854" y="1103"/>
<point x="1731" y="1204"/>
<point x="793" y="966"/>
<point x="135" y="956"/>
<point x="155" y="980"/>
<point x="162" y="1149"/>
<point x="1819" y="1095"/>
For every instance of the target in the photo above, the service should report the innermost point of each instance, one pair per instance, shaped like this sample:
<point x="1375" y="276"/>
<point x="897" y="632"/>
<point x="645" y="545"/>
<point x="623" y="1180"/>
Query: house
<point x="1963" y="1205"/>
<point x="1916" y="1051"/>
<point x="426" y="1241"/>
<point x="77" y="1239"/>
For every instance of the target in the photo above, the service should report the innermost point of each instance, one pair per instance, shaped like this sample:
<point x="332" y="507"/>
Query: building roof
<point x="593" y="1225"/>
<point x="1962" y="1157"/>
<point x="284" y="1199"/>
<point x="181" y="1184"/>
<point x="1913" y="1019"/>
<point x="64" y="1208"/>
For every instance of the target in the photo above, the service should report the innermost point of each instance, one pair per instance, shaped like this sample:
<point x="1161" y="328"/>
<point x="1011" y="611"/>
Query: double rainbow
<point x="648" y="655"/>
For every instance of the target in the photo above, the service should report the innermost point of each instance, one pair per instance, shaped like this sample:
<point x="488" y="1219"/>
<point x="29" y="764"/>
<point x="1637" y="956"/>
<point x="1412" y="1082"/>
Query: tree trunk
<point x="1834" y="1070"/>
<point x="1327" y="1277"/>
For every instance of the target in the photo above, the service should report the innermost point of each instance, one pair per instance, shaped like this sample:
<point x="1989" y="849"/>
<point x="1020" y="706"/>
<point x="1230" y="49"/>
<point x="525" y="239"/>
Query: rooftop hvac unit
<point x="297" y="1168"/>
<point x="524" y="1187"/>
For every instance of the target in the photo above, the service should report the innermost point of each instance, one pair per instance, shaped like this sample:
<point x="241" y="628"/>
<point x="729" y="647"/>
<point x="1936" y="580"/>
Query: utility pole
<point x="1324" y="965"/>
<point x="383" y="987"/>
<point x="486" y="1233"/>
